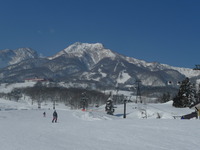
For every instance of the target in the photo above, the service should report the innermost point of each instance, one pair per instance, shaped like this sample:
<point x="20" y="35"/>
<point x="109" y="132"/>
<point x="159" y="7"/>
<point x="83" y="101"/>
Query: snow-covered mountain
<point x="93" y="53"/>
<point x="10" y="57"/>
<point x="92" y="65"/>
<point x="90" y="54"/>
<point x="121" y="69"/>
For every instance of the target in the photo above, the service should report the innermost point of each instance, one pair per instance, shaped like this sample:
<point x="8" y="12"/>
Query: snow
<point x="187" y="72"/>
<point x="123" y="77"/>
<point x="102" y="73"/>
<point x="23" y="127"/>
<point x="8" y="87"/>
<point x="23" y="54"/>
<point x="153" y="66"/>
<point x="150" y="80"/>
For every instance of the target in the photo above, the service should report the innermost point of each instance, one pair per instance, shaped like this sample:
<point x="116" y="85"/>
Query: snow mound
<point x="91" y="116"/>
<point x="6" y="105"/>
<point x="8" y="87"/>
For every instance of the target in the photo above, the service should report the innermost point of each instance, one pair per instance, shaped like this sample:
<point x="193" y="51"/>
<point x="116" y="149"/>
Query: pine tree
<point x="165" y="97"/>
<point x="109" y="106"/>
<point x="83" y="102"/>
<point x="186" y="94"/>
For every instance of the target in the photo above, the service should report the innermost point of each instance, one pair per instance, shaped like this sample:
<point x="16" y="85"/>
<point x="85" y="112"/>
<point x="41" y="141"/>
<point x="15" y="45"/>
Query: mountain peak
<point x="23" y="54"/>
<point x="82" y="47"/>
<point x="9" y="57"/>
<point x="95" y="51"/>
<point x="26" y="51"/>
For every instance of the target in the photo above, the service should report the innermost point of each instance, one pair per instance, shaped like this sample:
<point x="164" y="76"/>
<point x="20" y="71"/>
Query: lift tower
<point x="141" y="104"/>
<point x="138" y="95"/>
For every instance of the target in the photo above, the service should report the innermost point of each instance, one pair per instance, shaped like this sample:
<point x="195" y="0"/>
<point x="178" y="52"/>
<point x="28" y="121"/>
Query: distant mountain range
<point x="89" y="65"/>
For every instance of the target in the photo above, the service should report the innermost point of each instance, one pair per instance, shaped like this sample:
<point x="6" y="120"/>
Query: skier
<point x="44" y="114"/>
<point x="55" y="116"/>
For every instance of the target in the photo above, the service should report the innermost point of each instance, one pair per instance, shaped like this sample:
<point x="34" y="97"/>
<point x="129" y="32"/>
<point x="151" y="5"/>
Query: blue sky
<point x="164" y="31"/>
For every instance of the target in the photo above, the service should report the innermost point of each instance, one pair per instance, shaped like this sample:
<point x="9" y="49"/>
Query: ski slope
<point x="23" y="127"/>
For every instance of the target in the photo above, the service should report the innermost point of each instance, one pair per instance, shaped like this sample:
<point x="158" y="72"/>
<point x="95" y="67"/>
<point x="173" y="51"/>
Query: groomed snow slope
<point x="23" y="127"/>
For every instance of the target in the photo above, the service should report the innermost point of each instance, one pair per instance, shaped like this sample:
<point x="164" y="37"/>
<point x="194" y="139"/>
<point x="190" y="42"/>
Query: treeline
<point x="188" y="94"/>
<point x="71" y="97"/>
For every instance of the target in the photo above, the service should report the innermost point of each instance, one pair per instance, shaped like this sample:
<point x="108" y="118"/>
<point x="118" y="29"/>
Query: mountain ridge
<point x="10" y="57"/>
<point x="152" y="66"/>
<point x="94" y="66"/>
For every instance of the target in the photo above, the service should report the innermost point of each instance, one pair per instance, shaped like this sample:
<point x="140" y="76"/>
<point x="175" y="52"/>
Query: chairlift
<point x="169" y="82"/>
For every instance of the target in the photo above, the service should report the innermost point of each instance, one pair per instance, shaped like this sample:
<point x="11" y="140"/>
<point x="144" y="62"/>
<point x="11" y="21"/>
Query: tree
<point x="186" y="94"/>
<point x="109" y="106"/>
<point x="76" y="98"/>
<point x="165" y="97"/>
<point x="84" y="101"/>
<point x="15" y="94"/>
